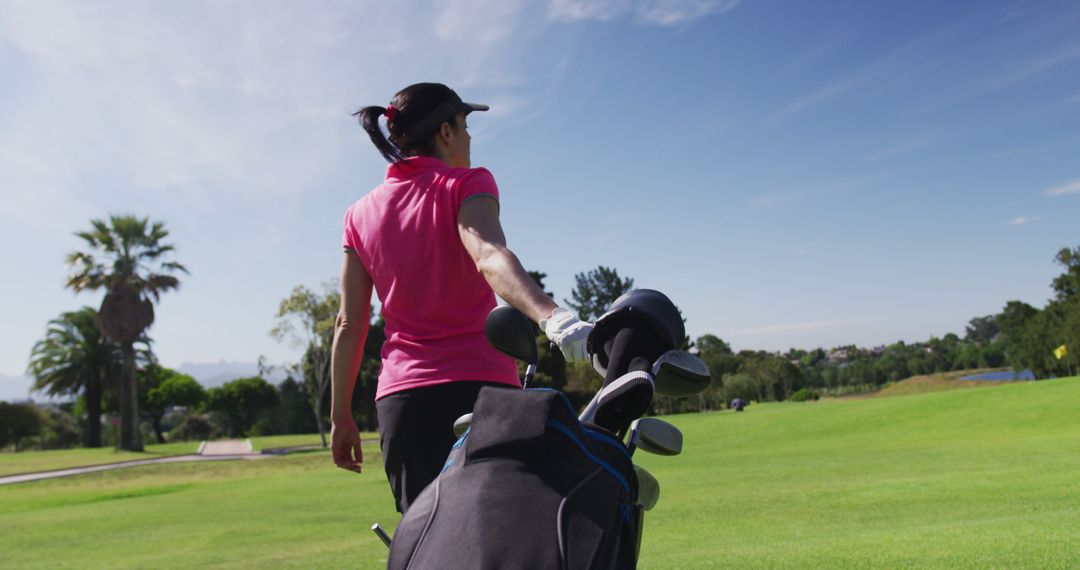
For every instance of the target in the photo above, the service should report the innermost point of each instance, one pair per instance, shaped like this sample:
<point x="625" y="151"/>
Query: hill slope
<point x="936" y="383"/>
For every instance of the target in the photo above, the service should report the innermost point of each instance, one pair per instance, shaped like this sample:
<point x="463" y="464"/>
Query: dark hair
<point x="413" y="105"/>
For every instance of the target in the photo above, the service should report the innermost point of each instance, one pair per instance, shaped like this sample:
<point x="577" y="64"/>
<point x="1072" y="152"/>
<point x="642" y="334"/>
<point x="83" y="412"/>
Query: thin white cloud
<point x="774" y="199"/>
<point x="210" y="106"/>
<point x="645" y="12"/>
<point x="1021" y="70"/>
<point x="899" y="149"/>
<point x="1020" y="220"/>
<point x="674" y="12"/>
<point x="1067" y="188"/>
<point x="808" y="57"/>
<point x="603" y="10"/>
<point x="817" y="97"/>
<point x="1032" y="43"/>
<point x="891" y="66"/>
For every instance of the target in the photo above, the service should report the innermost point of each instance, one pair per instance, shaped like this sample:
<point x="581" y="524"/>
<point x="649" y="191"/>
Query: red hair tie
<point x="391" y="112"/>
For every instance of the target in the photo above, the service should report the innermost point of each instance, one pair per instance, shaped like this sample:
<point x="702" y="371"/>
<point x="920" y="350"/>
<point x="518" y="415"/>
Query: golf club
<point x="679" y="373"/>
<point x="378" y="530"/>
<point x="648" y="490"/>
<point x="616" y="405"/>
<point x="461" y="425"/>
<point x="654" y="436"/>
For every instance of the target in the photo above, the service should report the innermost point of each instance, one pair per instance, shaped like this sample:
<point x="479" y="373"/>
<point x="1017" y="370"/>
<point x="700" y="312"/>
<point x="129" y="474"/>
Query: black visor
<point x="447" y="110"/>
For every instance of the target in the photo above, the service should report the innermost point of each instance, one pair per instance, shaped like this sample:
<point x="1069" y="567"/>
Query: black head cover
<point x="643" y="310"/>
<point x="512" y="333"/>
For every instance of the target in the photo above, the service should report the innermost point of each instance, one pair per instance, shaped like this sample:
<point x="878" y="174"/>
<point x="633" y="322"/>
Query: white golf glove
<point x="568" y="333"/>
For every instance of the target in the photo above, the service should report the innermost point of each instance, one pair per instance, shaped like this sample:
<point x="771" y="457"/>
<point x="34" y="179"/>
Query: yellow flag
<point x="1061" y="352"/>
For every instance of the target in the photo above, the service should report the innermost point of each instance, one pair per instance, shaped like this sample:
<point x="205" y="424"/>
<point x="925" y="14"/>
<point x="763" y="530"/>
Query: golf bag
<point x="527" y="486"/>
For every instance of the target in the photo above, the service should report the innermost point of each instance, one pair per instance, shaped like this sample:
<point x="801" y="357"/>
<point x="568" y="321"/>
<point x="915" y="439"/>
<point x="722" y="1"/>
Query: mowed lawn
<point x="32" y="461"/>
<point x="967" y="478"/>
<point x="988" y="477"/>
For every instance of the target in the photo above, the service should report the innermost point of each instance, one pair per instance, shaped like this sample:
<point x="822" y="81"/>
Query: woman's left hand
<point x="345" y="445"/>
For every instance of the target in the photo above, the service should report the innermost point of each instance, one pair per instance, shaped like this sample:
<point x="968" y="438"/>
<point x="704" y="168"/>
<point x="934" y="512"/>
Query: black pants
<point x="417" y="431"/>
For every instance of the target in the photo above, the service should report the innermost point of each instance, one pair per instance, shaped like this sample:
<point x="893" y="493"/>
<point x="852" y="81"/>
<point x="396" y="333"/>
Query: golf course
<point x="976" y="478"/>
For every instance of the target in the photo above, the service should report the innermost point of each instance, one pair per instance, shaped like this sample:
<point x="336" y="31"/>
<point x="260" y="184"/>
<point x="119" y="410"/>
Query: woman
<point x="429" y="241"/>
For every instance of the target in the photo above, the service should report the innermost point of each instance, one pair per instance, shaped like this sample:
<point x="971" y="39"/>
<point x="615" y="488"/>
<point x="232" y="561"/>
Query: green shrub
<point x="739" y="386"/>
<point x="194" y="427"/>
<point x="804" y="395"/>
<point x="268" y="424"/>
<point x="19" y="422"/>
<point x="61" y="430"/>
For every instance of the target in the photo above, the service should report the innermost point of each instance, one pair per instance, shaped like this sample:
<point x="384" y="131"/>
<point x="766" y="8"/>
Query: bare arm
<point x="350" y="332"/>
<point x="482" y="235"/>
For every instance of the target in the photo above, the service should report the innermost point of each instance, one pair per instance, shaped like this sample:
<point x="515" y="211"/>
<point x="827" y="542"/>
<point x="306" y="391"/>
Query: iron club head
<point x="679" y="373"/>
<point x="648" y="491"/>
<point x="655" y="436"/>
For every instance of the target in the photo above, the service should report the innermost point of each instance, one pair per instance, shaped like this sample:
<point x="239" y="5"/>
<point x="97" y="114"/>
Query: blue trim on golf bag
<point x="605" y="438"/>
<point x="607" y="466"/>
<point x="593" y="434"/>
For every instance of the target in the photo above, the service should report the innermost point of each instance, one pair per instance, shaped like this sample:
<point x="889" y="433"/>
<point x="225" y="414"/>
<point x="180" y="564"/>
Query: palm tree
<point x="126" y="259"/>
<point x="75" y="357"/>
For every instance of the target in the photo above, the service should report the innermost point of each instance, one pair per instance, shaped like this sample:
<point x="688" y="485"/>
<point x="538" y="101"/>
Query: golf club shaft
<point x="530" y="371"/>
<point x="381" y="534"/>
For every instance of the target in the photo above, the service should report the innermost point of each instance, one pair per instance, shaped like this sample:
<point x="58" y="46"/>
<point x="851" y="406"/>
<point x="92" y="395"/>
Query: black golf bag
<point x="527" y="486"/>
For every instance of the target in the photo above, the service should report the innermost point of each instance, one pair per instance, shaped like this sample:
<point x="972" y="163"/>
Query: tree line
<point x="104" y="357"/>
<point x="1044" y="341"/>
<point x="1020" y="337"/>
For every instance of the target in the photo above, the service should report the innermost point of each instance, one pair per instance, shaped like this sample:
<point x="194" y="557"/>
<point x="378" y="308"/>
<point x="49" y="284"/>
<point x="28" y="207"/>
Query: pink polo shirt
<point x="434" y="300"/>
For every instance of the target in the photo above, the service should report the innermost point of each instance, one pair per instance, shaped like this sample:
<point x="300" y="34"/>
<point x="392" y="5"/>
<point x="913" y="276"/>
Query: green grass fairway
<point x="967" y="478"/>
<point x="986" y="478"/>
<point x="31" y="461"/>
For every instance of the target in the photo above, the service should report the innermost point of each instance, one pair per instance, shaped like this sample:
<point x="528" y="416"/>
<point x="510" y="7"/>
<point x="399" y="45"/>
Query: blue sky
<point x="790" y="173"/>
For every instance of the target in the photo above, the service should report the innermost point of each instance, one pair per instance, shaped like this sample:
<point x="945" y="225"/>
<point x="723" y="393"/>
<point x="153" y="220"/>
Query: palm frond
<point x="154" y="251"/>
<point x="72" y="352"/>
<point x="126" y="252"/>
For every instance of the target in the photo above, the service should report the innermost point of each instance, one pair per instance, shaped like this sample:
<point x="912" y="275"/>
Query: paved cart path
<point x="226" y="447"/>
<point x="208" y="451"/>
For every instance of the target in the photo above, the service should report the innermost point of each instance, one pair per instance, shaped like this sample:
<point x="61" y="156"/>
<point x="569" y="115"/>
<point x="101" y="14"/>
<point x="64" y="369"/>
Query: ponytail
<point x="369" y="120"/>
<point x="412" y="120"/>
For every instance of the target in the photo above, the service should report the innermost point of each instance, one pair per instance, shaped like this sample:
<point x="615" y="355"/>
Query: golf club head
<point x="678" y="373"/>
<point x="620" y="402"/>
<point x="461" y="425"/>
<point x="512" y="333"/>
<point x="655" y="436"/>
<point x="648" y="488"/>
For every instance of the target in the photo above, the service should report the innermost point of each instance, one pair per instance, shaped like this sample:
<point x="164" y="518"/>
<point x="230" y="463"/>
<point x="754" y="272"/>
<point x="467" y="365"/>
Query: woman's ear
<point x="446" y="132"/>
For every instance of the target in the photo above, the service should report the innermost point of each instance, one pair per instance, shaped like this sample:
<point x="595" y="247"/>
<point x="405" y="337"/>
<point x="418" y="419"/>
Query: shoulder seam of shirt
<point x="481" y="195"/>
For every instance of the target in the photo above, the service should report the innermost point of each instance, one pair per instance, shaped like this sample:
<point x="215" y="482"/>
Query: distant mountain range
<point x="214" y="374"/>
<point x="209" y="374"/>
<point x="16" y="389"/>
